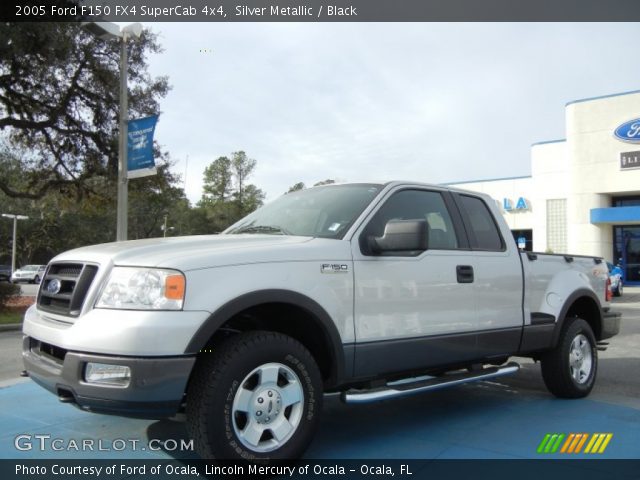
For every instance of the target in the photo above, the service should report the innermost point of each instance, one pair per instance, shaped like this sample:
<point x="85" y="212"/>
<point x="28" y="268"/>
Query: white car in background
<point x="28" y="273"/>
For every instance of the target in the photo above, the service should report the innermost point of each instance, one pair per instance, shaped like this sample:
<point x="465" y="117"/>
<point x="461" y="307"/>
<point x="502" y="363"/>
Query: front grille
<point x="64" y="287"/>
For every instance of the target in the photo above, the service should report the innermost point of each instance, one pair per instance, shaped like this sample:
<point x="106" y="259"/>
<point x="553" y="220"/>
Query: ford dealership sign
<point x="629" y="131"/>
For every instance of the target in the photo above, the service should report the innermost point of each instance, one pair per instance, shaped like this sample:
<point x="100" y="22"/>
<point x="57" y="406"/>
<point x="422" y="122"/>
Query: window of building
<point x="557" y="225"/>
<point x="625" y="201"/>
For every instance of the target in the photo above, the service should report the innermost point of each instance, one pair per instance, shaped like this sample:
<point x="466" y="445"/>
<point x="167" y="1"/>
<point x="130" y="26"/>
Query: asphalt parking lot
<point x="506" y="418"/>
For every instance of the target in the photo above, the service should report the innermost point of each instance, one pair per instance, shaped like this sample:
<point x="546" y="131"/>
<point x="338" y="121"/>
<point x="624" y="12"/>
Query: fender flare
<point x="578" y="294"/>
<point x="254" y="299"/>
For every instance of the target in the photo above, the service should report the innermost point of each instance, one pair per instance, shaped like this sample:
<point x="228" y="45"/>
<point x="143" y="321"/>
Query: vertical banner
<point x="140" y="161"/>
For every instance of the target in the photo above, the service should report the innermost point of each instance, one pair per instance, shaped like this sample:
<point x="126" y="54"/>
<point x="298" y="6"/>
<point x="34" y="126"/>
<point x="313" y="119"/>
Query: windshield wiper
<point x="262" y="229"/>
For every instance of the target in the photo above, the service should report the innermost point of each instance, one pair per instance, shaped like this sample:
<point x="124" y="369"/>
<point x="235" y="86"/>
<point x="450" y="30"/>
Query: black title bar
<point x="321" y="11"/>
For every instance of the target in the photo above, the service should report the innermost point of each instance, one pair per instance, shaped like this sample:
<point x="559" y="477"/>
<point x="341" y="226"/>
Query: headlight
<point x="143" y="289"/>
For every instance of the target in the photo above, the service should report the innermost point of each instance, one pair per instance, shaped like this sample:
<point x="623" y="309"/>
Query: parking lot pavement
<point x="507" y="418"/>
<point x="28" y="289"/>
<point x="484" y="420"/>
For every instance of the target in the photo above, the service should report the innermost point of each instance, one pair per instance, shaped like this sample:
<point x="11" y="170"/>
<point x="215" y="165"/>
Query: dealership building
<point x="583" y="194"/>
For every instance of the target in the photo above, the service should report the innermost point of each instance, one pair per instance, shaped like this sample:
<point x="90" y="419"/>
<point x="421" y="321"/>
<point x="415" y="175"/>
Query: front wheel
<point x="569" y="370"/>
<point x="257" y="397"/>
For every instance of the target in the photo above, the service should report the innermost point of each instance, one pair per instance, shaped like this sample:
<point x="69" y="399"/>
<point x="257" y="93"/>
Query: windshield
<point x="30" y="268"/>
<point x="317" y="212"/>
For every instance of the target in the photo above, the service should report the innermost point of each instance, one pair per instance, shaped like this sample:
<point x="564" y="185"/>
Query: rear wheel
<point x="257" y="397"/>
<point x="569" y="370"/>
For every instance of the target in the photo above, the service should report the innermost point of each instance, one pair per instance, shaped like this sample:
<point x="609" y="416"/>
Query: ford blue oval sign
<point x="629" y="131"/>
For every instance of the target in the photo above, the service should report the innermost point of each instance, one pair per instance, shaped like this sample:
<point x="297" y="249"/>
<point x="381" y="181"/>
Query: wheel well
<point x="290" y="320"/>
<point x="587" y="309"/>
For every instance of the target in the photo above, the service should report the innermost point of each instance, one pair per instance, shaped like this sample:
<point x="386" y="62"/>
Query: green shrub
<point x="7" y="291"/>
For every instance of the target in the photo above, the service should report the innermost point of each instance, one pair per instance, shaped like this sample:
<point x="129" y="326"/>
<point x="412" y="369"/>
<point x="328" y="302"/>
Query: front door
<point x="414" y="309"/>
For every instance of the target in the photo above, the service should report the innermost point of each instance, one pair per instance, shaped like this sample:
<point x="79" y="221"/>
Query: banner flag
<point x="140" y="161"/>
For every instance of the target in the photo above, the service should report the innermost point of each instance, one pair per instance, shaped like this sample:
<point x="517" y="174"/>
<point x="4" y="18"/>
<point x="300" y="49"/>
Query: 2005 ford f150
<point x="375" y="291"/>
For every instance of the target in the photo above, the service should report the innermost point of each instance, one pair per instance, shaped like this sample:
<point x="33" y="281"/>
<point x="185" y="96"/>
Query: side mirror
<point x="401" y="236"/>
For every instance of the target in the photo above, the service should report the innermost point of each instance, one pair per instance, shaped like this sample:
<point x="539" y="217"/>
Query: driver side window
<point x="415" y="205"/>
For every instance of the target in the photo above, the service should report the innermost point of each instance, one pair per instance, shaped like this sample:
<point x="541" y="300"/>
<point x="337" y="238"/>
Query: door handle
<point x="464" y="273"/>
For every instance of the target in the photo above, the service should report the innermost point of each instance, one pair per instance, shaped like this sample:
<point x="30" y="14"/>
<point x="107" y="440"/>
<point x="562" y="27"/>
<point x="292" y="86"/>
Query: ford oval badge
<point x="629" y="131"/>
<point x="54" y="286"/>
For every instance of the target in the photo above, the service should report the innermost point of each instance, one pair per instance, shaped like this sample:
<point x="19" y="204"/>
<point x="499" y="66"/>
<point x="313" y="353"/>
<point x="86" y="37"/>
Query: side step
<point x="403" y="389"/>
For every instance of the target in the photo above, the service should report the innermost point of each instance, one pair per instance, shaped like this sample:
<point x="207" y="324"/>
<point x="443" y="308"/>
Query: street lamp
<point x="107" y="31"/>
<point x="164" y="226"/>
<point x="15" y="236"/>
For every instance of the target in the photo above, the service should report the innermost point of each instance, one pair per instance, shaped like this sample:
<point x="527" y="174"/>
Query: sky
<point x="428" y="102"/>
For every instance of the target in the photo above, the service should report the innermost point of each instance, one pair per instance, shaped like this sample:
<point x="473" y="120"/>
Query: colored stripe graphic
<point x="582" y="442"/>
<point x="598" y="443"/>
<point x="570" y="438"/>
<point x="574" y="442"/>
<point x="543" y="443"/>
<point x="606" y="442"/>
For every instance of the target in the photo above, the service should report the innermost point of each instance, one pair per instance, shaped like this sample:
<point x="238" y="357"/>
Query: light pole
<point x="15" y="236"/>
<point x="106" y="31"/>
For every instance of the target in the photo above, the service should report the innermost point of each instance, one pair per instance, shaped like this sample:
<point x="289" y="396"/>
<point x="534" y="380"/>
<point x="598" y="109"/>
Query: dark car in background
<point x="5" y="273"/>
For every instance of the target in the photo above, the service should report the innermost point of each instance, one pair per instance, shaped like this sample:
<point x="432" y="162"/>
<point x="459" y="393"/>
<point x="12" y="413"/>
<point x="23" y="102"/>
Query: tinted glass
<point x="416" y="205"/>
<point x="317" y="212"/>
<point x="483" y="226"/>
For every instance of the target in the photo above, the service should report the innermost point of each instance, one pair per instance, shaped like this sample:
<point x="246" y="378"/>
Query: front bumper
<point x="156" y="389"/>
<point x="610" y="324"/>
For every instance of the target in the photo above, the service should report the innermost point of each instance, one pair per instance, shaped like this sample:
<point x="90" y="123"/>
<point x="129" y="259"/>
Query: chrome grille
<point x="64" y="287"/>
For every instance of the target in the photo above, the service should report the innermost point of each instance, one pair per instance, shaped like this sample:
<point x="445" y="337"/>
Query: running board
<point x="403" y="389"/>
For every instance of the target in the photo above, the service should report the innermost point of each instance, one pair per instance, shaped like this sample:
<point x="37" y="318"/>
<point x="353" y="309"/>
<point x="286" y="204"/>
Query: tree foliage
<point x="328" y="181"/>
<point x="227" y="194"/>
<point x="301" y="186"/>
<point x="296" y="186"/>
<point x="59" y="103"/>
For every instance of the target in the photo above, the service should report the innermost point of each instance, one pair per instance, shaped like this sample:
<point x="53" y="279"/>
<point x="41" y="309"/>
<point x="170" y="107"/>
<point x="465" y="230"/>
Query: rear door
<point x="498" y="278"/>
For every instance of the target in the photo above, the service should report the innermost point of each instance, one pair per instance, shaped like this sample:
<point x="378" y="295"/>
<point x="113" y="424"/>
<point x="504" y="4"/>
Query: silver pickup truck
<point x="372" y="290"/>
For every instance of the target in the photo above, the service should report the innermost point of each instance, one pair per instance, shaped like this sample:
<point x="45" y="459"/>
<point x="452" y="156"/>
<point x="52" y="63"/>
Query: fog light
<point x="105" y="374"/>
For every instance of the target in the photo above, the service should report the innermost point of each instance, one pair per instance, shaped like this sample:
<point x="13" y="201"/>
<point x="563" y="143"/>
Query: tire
<point x="257" y="397"/>
<point x="569" y="370"/>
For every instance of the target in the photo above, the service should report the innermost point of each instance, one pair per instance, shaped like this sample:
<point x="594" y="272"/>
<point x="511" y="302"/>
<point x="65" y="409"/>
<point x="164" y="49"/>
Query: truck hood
<point x="205" y="251"/>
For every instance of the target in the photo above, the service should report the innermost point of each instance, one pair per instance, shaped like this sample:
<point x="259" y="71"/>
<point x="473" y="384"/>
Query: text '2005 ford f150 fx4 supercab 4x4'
<point x="372" y="290"/>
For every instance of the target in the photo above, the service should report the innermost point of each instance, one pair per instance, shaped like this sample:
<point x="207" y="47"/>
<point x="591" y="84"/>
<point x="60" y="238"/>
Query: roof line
<point x="486" y="180"/>
<point x="560" y="140"/>
<point x="601" y="97"/>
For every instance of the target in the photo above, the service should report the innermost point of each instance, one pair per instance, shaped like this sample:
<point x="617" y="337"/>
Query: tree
<point x="218" y="180"/>
<point x="301" y="186"/>
<point x="247" y="197"/>
<point x="296" y="186"/>
<point x="59" y="103"/>
<point x="227" y="194"/>
<point x="328" y="181"/>
<point x="58" y="222"/>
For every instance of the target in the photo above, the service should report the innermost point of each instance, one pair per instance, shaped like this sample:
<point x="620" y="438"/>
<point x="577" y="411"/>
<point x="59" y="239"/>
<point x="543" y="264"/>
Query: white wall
<point x="594" y="162"/>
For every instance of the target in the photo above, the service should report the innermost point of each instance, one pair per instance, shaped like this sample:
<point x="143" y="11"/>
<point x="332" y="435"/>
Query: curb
<point x="10" y="327"/>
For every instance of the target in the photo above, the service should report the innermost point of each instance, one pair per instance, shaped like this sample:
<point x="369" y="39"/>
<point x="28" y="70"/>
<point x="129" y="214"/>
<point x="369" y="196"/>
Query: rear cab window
<point x="484" y="233"/>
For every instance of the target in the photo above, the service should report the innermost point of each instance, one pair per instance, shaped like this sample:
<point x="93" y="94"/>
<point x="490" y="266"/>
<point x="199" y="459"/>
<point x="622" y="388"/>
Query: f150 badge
<point x="334" y="268"/>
